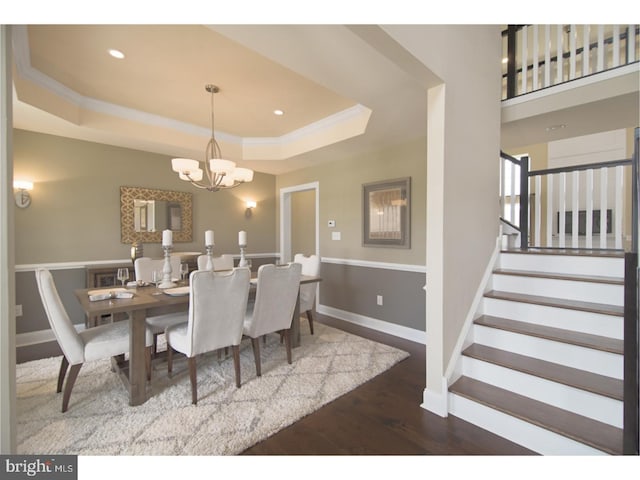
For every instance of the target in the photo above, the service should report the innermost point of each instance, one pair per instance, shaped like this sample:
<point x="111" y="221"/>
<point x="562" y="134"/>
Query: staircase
<point x="544" y="361"/>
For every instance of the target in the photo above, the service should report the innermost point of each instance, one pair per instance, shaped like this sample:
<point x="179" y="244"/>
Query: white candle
<point x="242" y="237"/>
<point x="167" y="238"/>
<point x="208" y="238"/>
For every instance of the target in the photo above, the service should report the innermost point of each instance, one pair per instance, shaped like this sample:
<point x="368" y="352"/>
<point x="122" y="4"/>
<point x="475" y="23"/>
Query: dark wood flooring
<point x="384" y="417"/>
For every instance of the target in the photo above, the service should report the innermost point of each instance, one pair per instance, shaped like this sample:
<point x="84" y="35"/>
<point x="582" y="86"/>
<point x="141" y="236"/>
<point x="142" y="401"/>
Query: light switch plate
<point x="335" y="235"/>
<point x="331" y="223"/>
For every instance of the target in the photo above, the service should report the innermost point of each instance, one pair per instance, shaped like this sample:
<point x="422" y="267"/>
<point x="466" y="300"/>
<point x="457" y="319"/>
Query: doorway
<point x="299" y="214"/>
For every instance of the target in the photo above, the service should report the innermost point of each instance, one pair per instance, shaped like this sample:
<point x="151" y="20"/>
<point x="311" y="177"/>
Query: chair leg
<point x="310" y="318"/>
<point x="287" y="341"/>
<point x="155" y="343"/>
<point x="147" y="361"/>
<point x="255" y="343"/>
<point x="63" y="371"/>
<point x="236" y="362"/>
<point x="169" y="359"/>
<point x="194" y="379"/>
<point x="71" y="380"/>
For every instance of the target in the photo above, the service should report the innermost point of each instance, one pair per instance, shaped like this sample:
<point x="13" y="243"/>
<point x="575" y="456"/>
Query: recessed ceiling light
<point x="116" y="53"/>
<point x="278" y="112"/>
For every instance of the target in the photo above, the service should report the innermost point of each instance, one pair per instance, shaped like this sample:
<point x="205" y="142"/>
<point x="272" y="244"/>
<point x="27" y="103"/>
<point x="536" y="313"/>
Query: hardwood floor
<point x="384" y="417"/>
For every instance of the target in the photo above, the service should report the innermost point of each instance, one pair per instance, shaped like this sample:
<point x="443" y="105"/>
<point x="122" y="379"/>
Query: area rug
<point x="226" y="421"/>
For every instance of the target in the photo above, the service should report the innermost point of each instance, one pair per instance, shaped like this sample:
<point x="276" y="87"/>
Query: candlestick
<point x="166" y="269"/>
<point x="243" y="261"/>
<point x="167" y="238"/>
<point x="209" y="257"/>
<point x="208" y="238"/>
<point x="242" y="238"/>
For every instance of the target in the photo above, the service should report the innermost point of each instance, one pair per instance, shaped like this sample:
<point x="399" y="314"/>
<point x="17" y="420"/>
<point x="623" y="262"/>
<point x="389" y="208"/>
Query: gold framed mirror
<point x="146" y="212"/>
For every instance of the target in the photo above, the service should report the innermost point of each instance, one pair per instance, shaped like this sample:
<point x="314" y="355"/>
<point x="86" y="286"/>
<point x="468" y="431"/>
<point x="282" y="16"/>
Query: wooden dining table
<point x="150" y="301"/>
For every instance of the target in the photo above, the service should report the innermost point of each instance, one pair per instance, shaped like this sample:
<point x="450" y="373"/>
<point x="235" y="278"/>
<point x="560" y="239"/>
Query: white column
<point x="538" y="209"/>
<point x="549" y="210"/>
<point x="7" y="255"/>
<point x="575" y="208"/>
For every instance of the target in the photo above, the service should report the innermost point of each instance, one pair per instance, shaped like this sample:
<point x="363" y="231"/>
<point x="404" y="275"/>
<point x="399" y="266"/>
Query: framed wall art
<point x="386" y="216"/>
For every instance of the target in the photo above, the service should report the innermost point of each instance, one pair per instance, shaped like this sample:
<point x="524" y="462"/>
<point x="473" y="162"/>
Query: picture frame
<point x="386" y="214"/>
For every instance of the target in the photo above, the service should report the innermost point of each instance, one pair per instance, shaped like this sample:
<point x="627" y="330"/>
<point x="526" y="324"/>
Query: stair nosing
<point x="580" y="339"/>
<point x="560" y="276"/>
<point x="567" y="252"/>
<point x="460" y="386"/>
<point x="488" y="354"/>
<point x="601" y="308"/>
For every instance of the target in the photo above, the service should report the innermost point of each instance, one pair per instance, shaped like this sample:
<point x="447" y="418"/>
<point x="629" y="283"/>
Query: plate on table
<point x="178" y="291"/>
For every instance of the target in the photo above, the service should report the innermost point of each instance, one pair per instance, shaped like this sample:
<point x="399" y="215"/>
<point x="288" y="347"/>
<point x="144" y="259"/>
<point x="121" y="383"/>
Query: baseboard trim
<point x="437" y="402"/>
<point x="407" y="333"/>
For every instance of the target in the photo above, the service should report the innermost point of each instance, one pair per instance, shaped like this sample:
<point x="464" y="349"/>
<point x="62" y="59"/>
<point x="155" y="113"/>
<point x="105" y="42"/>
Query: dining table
<point x="149" y="301"/>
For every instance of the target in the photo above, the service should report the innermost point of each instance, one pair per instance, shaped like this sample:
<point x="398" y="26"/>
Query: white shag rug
<point x="226" y="421"/>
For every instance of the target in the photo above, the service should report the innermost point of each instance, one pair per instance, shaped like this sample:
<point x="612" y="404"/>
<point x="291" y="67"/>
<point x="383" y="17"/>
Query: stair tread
<point x="561" y="276"/>
<point x="591" y="432"/>
<point x="597" y="342"/>
<point x="601" y="308"/>
<point x="573" y="377"/>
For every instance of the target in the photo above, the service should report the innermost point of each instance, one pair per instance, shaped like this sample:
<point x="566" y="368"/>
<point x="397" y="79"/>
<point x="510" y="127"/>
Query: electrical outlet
<point x="379" y="299"/>
<point x="18" y="310"/>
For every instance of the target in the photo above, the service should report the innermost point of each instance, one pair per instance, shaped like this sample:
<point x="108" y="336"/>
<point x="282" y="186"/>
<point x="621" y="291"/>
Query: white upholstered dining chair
<point x="144" y="268"/>
<point x="272" y="310"/>
<point x="217" y="305"/>
<point x="223" y="262"/>
<point x="91" y="344"/>
<point x="311" y="267"/>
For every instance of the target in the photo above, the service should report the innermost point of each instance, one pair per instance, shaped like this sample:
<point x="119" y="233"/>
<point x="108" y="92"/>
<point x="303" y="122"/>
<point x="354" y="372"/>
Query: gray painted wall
<point x="354" y="289"/>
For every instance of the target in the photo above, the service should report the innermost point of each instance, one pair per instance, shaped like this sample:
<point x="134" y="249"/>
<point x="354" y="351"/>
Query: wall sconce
<point x="250" y="206"/>
<point x="22" y="196"/>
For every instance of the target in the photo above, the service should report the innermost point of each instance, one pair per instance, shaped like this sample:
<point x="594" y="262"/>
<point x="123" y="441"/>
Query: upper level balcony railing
<point x="541" y="56"/>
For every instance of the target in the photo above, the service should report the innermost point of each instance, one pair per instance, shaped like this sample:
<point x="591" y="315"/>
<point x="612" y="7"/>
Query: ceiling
<point x="341" y="95"/>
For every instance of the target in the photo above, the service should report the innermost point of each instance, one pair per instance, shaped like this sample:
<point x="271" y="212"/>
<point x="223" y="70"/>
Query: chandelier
<point x="221" y="174"/>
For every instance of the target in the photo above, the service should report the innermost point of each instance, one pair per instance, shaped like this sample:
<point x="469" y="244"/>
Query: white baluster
<point x="534" y="74"/>
<point x="559" y="56"/>
<point x="547" y="55"/>
<point x="616" y="46"/>
<point x="562" y="207"/>
<point x="618" y="214"/>
<point x="589" y="213"/>
<point x="572" y="52"/>
<point x="524" y="58"/>
<point x="600" y="48"/>
<point x="631" y="43"/>
<point x="585" y="50"/>
<point x="603" y="207"/>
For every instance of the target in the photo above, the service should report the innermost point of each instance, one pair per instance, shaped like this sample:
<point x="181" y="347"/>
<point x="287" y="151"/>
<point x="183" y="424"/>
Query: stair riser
<point x="518" y="431"/>
<point x="588" y="359"/>
<point x="586" y="322"/>
<point x="597" y="407"/>
<point x="577" y="265"/>
<point x="563" y="289"/>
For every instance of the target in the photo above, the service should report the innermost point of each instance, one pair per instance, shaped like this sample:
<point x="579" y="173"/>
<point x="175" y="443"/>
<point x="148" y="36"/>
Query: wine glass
<point x="184" y="270"/>
<point x="123" y="275"/>
<point x="156" y="277"/>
